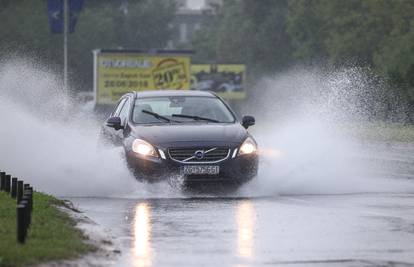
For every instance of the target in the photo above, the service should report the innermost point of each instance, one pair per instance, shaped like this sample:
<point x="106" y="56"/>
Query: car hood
<point x="191" y="134"/>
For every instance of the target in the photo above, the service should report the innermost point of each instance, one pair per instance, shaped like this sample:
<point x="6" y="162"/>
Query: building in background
<point x="181" y="3"/>
<point x="188" y="20"/>
<point x="211" y="4"/>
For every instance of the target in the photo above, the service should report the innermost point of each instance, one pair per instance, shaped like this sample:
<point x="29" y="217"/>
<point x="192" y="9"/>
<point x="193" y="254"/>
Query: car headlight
<point x="144" y="148"/>
<point x="248" y="147"/>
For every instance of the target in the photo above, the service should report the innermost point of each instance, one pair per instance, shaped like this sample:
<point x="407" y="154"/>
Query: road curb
<point x="107" y="251"/>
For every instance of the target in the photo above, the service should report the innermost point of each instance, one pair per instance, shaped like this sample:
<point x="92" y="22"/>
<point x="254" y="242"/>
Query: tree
<point x="395" y="57"/>
<point x="374" y="33"/>
<point x="101" y="24"/>
<point x="250" y="32"/>
<point x="306" y="29"/>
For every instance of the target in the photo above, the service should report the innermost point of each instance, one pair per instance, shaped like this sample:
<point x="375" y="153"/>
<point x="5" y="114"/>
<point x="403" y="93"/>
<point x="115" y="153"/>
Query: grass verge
<point x="52" y="234"/>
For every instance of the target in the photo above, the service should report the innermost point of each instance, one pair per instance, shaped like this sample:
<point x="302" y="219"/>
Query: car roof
<point x="159" y="93"/>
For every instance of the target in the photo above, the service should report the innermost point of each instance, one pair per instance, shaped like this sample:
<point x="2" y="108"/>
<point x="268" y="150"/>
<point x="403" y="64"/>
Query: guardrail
<point x="23" y="193"/>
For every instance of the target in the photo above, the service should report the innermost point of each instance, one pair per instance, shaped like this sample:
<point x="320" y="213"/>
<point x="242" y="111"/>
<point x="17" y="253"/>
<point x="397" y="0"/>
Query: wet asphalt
<point x="337" y="230"/>
<point x="355" y="229"/>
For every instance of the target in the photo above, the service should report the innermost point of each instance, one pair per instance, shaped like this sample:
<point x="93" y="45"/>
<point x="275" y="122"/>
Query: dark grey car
<point x="188" y="133"/>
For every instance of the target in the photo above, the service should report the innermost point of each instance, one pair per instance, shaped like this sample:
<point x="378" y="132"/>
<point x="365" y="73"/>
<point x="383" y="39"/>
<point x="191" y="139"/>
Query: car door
<point x="123" y="114"/>
<point x="109" y="133"/>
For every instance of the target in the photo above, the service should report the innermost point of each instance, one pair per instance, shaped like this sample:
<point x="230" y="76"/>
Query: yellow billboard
<point x="227" y="80"/>
<point x="117" y="73"/>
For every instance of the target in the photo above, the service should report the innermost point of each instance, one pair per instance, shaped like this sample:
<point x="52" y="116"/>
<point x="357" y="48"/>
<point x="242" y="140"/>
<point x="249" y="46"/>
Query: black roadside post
<point x="14" y="187"/>
<point x="7" y="185"/>
<point x="26" y="215"/>
<point x="2" y="181"/>
<point x="26" y="200"/>
<point x="31" y="198"/>
<point x="27" y="188"/>
<point x="19" y="191"/>
<point x="29" y="192"/>
<point x="21" y="229"/>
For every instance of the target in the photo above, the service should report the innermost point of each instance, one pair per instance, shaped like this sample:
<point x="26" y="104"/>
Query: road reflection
<point x="245" y="218"/>
<point x="142" y="235"/>
<point x="143" y="252"/>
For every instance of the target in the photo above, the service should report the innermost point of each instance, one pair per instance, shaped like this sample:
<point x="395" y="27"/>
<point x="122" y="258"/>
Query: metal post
<point x="30" y="189"/>
<point x="14" y="187"/>
<point x="2" y="181"/>
<point x="28" y="193"/>
<point x="21" y="229"/>
<point x="26" y="199"/>
<point x="19" y="191"/>
<point x="26" y="215"/>
<point x="65" y="44"/>
<point x="7" y="185"/>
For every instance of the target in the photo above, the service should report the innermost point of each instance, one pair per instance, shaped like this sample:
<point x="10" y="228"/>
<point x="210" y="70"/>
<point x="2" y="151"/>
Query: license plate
<point x="200" y="169"/>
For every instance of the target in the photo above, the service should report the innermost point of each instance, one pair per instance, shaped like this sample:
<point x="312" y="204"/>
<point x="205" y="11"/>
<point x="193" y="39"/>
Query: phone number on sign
<point x="123" y="83"/>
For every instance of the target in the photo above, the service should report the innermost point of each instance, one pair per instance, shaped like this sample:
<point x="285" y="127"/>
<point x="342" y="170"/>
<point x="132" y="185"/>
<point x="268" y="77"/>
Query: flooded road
<point x="313" y="230"/>
<point x="367" y="221"/>
<point x="325" y="196"/>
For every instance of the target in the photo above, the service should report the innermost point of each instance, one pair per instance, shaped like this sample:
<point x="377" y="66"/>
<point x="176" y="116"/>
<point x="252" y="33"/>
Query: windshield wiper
<point x="156" y="115"/>
<point x="194" y="117"/>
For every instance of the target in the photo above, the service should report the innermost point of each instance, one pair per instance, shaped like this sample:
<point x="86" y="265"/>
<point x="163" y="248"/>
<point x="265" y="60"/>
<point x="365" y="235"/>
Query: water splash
<point x="305" y="123"/>
<point x="50" y="140"/>
<point x="47" y="140"/>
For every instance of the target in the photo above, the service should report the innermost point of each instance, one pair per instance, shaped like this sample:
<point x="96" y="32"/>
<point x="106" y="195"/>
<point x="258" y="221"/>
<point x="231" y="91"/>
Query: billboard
<point x="227" y="80"/>
<point x="120" y="72"/>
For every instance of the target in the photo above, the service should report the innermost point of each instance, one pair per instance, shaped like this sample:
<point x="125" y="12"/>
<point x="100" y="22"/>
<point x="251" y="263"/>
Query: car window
<point x="125" y="111"/>
<point x="207" y="107"/>
<point x="118" y="108"/>
<point x="162" y="107"/>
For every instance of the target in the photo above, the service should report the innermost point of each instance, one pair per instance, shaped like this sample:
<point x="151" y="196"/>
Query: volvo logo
<point x="199" y="154"/>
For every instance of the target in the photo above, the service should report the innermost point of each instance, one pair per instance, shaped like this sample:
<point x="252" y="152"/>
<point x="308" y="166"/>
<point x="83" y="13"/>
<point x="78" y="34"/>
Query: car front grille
<point x="188" y="155"/>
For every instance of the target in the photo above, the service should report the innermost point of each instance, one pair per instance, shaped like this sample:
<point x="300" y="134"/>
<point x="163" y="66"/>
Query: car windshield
<point x="181" y="109"/>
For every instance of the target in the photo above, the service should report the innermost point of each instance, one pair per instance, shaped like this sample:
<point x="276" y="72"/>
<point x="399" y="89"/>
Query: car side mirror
<point x="114" y="122"/>
<point x="248" y="121"/>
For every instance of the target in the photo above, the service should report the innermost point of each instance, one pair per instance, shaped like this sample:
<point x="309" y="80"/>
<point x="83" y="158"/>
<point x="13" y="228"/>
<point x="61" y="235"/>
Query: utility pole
<point x="65" y="43"/>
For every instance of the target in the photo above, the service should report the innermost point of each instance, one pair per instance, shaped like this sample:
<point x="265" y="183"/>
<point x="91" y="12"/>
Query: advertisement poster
<point x="227" y="80"/>
<point x="120" y="73"/>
